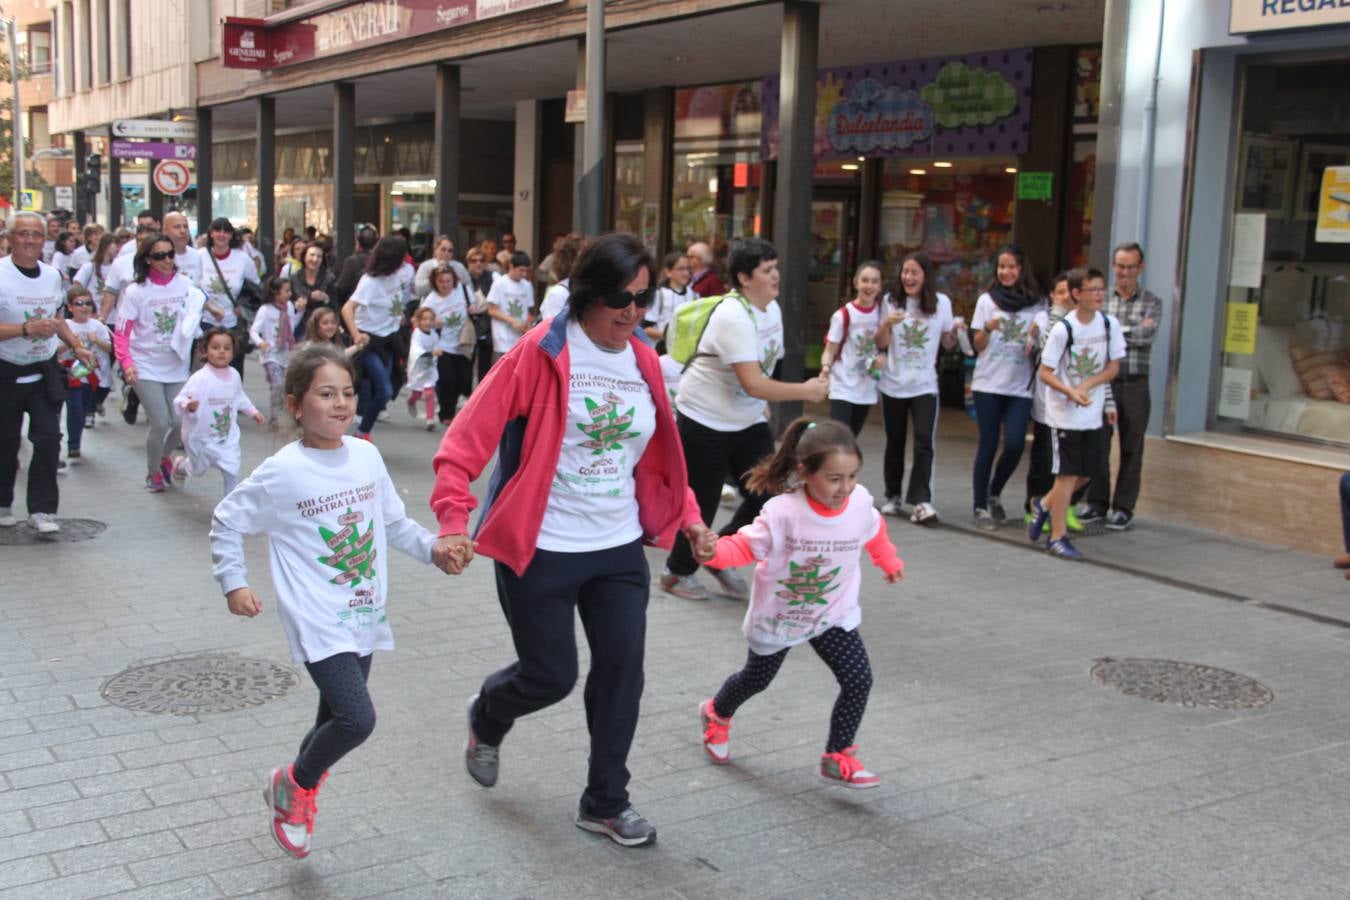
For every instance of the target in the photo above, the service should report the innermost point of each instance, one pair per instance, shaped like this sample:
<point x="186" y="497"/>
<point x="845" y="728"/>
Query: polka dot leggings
<point x="842" y="651"/>
<point x="346" y="715"/>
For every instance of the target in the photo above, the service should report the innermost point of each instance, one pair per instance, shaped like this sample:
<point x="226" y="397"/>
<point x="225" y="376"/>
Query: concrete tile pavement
<point x="1006" y="771"/>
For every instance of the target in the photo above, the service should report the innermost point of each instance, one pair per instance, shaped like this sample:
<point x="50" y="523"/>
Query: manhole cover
<point x="72" y="530"/>
<point x="208" y="683"/>
<point x="1187" y="684"/>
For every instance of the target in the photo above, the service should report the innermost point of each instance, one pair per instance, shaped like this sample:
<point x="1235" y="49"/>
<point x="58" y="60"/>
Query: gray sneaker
<point x="480" y="758"/>
<point x="43" y="523"/>
<point x="627" y="829"/>
<point x="996" y="510"/>
<point x="7" y="517"/>
<point x="686" y="586"/>
<point x="984" y="521"/>
<point x="732" y="585"/>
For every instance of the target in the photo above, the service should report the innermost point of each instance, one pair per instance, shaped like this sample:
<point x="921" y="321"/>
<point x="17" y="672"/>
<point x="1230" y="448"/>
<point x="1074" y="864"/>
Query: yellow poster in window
<point x="1333" y="206"/>
<point x="1239" y="333"/>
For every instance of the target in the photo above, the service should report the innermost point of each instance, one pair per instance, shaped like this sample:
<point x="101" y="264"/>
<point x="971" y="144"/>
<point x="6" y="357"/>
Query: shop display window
<point x="958" y="211"/>
<point x="628" y="167"/>
<point x="1284" y="332"/>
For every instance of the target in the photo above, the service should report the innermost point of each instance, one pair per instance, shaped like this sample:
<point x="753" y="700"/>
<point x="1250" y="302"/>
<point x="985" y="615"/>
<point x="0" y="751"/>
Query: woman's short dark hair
<point x="746" y="256"/>
<point x="223" y="224"/>
<point x="139" y="264"/>
<point x="607" y="264"/>
<point x="437" y="272"/>
<point x="565" y="257"/>
<point x="388" y="255"/>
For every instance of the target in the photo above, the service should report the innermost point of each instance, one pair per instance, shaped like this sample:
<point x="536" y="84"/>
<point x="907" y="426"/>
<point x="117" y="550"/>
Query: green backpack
<point x="686" y="327"/>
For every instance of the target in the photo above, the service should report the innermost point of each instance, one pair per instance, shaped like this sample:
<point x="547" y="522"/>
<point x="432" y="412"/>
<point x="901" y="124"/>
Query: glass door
<point x="834" y="240"/>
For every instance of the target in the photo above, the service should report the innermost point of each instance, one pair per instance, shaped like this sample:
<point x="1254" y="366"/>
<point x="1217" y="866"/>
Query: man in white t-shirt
<point x="509" y="304"/>
<point x="186" y="257"/>
<point x="1080" y="358"/>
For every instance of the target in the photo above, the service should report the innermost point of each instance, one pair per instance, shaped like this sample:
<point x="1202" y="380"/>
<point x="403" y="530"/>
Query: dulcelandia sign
<point x="973" y="105"/>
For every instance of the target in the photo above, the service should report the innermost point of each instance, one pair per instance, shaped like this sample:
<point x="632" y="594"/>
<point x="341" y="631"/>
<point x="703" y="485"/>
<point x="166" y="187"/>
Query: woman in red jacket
<point x="590" y="469"/>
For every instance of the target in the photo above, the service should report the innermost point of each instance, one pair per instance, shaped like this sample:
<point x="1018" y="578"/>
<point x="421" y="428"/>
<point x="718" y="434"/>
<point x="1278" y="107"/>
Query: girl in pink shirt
<point x="807" y="542"/>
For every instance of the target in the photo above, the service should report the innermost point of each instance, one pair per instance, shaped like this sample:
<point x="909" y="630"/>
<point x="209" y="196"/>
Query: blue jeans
<point x="1345" y="510"/>
<point x="995" y="412"/>
<point x="79" y="401"/>
<point x="375" y="389"/>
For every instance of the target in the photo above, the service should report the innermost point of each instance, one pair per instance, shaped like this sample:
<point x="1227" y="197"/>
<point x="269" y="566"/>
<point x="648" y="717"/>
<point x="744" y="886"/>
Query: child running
<point x="852" y="343"/>
<point x="328" y="507"/>
<point x="84" y="384"/>
<point x="423" y="351"/>
<point x="274" y="332"/>
<point x="208" y="404"/>
<point x="807" y="543"/>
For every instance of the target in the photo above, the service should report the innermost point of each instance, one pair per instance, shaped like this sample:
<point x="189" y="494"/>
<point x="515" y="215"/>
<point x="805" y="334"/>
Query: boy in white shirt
<point x="509" y="304"/>
<point x="1080" y="358"/>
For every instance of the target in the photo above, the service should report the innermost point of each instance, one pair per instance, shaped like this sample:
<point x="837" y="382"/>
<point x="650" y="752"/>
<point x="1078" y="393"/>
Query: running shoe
<point x="985" y="521"/>
<point x="482" y="760"/>
<point x="892" y="507"/>
<point x="1064" y="549"/>
<point x="73" y="454"/>
<point x="845" y="768"/>
<point x="733" y="585"/>
<point x="1070" y="521"/>
<point x="89" y="421"/>
<point x="292" y="810"/>
<point x="627" y="829"/>
<point x="431" y="423"/>
<point x="43" y="523"/>
<point x="716" y="733"/>
<point x="1089" y="515"/>
<point x="166" y="468"/>
<point x="412" y="407"/>
<point x="729" y="496"/>
<point x="924" y="514"/>
<point x="383" y="416"/>
<point x="1039" y="517"/>
<point x="686" y="586"/>
<point x="363" y="436"/>
<point x="7" y="517"/>
<point x="996" y="510"/>
<point x="154" y="483"/>
<point x="1119" y="520"/>
<point x="180" y="470"/>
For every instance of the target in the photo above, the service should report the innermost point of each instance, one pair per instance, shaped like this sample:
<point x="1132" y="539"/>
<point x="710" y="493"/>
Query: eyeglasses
<point x="32" y="235"/>
<point x="160" y="255"/>
<point x="621" y="299"/>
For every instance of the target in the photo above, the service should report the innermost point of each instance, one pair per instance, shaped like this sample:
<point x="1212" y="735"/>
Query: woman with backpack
<point x="722" y="402"/>
<point x="224" y="270"/>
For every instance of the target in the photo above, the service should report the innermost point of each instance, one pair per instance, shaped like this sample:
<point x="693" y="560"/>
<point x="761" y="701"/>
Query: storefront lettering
<point x="366" y="22"/>
<point x="1288" y="7"/>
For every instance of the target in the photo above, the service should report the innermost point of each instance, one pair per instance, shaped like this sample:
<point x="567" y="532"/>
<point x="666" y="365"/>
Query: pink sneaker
<point x="154" y="483"/>
<point x="846" y="769"/>
<point x="166" y="468"/>
<point x="293" y="809"/>
<point x="716" y="733"/>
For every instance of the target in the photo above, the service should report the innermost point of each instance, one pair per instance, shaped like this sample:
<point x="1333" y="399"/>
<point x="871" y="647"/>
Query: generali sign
<point x="1251" y="16"/>
<point x="258" y="44"/>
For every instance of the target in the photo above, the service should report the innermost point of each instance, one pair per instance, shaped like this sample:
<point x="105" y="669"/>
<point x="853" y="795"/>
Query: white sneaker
<point x="685" y="586"/>
<point x="43" y="523"/>
<point x="924" y="514"/>
<point x="729" y="496"/>
<point x="7" y="519"/>
<point x="384" y="415"/>
<point x="733" y="585"/>
<point x="431" y="423"/>
<point x="180" y="470"/>
<point x="892" y="507"/>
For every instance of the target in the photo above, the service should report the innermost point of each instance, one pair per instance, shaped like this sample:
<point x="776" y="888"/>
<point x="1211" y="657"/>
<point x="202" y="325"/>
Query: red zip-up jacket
<point x="520" y="412"/>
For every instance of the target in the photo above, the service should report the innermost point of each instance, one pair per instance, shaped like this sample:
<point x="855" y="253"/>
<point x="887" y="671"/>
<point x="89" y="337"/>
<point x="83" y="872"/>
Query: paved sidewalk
<point x="1006" y="770"/>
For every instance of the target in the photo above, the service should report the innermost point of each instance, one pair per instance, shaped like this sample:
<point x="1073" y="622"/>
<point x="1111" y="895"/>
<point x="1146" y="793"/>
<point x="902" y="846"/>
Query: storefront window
<point x="958" y="211"/>
<point x="412" y="205"/>
<point x="628" y="164"/>
<point x="1283" y="337"/>
<point x="716" y="189"/>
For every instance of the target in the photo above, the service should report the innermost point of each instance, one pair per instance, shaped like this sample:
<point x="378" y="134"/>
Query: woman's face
<point x="762" y="284"/>
<point x="220" y="238"/>
<point x="680" y="274"/>
<point x="327" y="327"/>
<point x="297" y="248"/>
<point x="476" y="265"/>
<point x="610" y="327"/>
<point x="911" y="277"/>
<point x="313" y="258"/>
<point x="868" y="284"/>
<point x="443" y="251"/>
<point x="161" y="257"/>
<point x="444" y="283"/>
<point x="1008" y="270"/>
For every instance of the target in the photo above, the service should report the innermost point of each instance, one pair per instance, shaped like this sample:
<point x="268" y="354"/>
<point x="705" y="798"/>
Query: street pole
<point x="592" y="189"/>
<point x="18" y="123"/>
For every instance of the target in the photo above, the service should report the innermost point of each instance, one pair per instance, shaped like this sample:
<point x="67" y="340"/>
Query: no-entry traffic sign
<point x="172" y="177"/>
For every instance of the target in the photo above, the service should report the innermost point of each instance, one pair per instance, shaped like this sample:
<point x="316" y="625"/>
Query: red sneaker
<point x="293" y="811"/>
<point x="716" y="733"/>
<point x="846" y="769"/>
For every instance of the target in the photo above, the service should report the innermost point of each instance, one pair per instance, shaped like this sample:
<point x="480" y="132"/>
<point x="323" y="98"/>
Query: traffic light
<point x="92" y="178"/>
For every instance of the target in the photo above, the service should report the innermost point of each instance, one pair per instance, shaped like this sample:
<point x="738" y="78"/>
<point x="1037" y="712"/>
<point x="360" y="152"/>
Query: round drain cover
<point x="1183" y="683"/>
<point x="206" y="683"/>
<point x="72" y="530"/>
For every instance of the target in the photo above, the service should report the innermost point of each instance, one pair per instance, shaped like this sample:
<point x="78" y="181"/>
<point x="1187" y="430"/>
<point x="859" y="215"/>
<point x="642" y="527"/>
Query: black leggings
<point x="346" y="715"/>
<point x="854" y="415"/>
<point x="842" y="651"/>
<point x="454" y="378"/>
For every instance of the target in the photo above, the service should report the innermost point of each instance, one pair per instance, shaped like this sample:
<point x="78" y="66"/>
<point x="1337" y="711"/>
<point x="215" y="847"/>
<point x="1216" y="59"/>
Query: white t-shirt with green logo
<point x="23" y="298"/>
<point x="710" y="393"/>
<point x="850" y="379"/>
<point x="1087" y="355"/>
<point x="1005" y="365"/>
<point x="152" y="312"/>
<point x="451" y="309"/>
<point x="592" y="503"/>
<point x="911" y="358"/>
<point x="379" y="303"/>
<point x="515" y="299"/>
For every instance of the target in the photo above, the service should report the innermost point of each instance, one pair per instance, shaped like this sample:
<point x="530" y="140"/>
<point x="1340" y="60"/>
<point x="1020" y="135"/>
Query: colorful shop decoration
<point x="973" y="105"/>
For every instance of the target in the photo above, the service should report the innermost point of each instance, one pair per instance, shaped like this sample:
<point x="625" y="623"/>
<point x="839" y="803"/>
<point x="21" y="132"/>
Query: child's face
<point x="1008" y="270"/>
<point x="1059" y="294"/>
<point x="679" y="274"/>
<point x="327" y="327"/>
<point x="325" y="411"/>
<point x="219" y="351"/>
<point x="425" y="319"/>
<point x="911" y="277"/>
<point x="282" y="296"/>
<point x="1091" y="294"/>
<point x="81" y="308"/>
<point x="868" y="285"/>
<point x="834" y="481"/>
<point x="519" y="273"/>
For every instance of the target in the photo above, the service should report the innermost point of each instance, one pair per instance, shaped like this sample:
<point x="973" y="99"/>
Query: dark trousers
<point x="609" y="589"/>
<point x="854" y="415"/>
<point x="44" y="433"/>
<point x="346" y="715"/>
<point x="1040" y="477"/>
<point x="1132" y="411"/>
<point x="1345" y="510"/>
<point x="709" y="456"/>
<point x="483" y="357"/>
<point x="997" y="413"/>
<point x="79" y="402"/>
<point x="454" y="379"/>
<point x="896" y="413"/>
<point x="375" y="389"/>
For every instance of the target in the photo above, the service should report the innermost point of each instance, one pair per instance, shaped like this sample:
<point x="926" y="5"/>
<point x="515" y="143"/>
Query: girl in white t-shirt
<point x="912" y="332"/>
<point x="328" y="508"/>
<point x="851" y="354"/>
<point x="807" y="542"/>
<point x="80" y="399"/>
<point x="208" y="404"/>
<point x="372" y="315"/>
<point x="423" y="348"/>
<point x="273" y="331"/>
<point x="1003" y="378"/>
<point x="674" y="292"/>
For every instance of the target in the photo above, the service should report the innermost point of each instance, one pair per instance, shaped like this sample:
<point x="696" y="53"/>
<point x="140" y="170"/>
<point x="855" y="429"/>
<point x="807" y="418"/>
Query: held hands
<point x="243" y="602"/>
<point x="896" y="577"/>
<point x="519" y="326"/>
<point x="1112" y="417"/>
<point x="703" y="541"/>
<point x="818" y="388"/>
<point x="129" y="375"/>
<point x="257" y="416"/>
<point x="452" y="552"/>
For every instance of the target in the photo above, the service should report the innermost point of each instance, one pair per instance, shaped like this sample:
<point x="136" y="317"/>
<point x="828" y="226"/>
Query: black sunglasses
<point x="161" y="254"/>
<point x="621" y="299"/>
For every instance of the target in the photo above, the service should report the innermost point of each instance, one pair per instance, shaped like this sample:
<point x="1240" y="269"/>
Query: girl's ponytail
<point x="806" y="442"/>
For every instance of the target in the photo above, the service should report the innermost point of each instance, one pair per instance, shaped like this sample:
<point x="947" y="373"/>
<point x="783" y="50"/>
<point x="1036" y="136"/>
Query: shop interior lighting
<point x="862" y="159"/>
<point x="942" y="165"/>
<point x="849" y="167"/>
<point x="1011" y="170"/>
<point x="918" y="171"/>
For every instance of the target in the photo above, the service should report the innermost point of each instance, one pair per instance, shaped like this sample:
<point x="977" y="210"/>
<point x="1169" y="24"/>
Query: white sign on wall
<point x="1250" y="16"/>
<point x="152" y="128"/>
